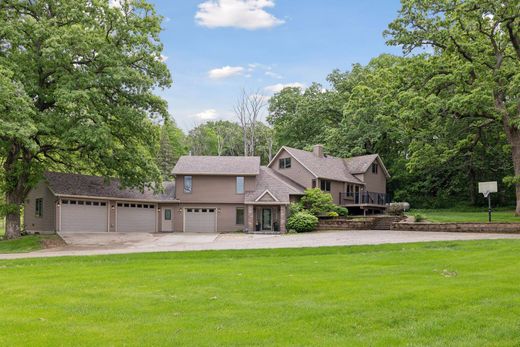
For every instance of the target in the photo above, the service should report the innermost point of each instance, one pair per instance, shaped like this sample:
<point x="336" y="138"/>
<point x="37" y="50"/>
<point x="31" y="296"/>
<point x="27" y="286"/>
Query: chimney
<point x="317" y="150"/>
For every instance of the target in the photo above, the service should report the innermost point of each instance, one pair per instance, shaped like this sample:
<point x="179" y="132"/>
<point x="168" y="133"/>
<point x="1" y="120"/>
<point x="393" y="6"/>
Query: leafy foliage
<point x="302" y="222"/>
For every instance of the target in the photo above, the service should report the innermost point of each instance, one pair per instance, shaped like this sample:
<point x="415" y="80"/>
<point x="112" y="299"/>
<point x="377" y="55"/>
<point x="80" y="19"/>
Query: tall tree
<point x="84" y="73"/>
<point x="248" y="110"/>
<point x="474" y="66"/>
<point x="171" y="147"/>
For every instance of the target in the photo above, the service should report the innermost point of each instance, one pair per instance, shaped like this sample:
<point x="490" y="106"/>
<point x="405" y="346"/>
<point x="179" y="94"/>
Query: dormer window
<point x="285" y="163"/>
<point x="374" y="168"/>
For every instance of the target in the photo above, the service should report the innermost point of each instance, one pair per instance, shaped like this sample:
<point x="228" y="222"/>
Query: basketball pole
<point x="489" y="206"/>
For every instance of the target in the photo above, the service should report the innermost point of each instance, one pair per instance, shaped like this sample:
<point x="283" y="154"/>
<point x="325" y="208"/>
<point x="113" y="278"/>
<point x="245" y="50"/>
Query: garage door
<point x="133" y="217"/>
<point x="200" y="220"/>
<point x="84" y="216"/>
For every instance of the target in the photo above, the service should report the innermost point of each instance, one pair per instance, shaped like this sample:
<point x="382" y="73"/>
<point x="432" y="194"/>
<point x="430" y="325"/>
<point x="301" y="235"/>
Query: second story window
<point x="325" y="185"/>
<point x="285" y="163"/>
<point x="188" y="182"/>
<point x="240" y="185"/>
<point x="374" y="168"/>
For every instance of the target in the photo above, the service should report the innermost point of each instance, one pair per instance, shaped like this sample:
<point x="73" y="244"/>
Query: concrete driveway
<point x="120" y="243"/>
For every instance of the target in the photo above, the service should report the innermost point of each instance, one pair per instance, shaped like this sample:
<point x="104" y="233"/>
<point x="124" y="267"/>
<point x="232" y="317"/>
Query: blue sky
<point x="214" y="48"/>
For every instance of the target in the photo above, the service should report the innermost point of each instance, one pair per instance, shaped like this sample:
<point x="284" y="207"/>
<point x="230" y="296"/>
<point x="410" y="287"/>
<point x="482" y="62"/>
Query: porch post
<point x="250" y="218"/>
<point x="282" y="218"/>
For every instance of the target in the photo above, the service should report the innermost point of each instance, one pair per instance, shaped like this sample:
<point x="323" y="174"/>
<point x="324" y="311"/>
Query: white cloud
<point x="273" y="74"/>
<point x="243" y="14"/>
<point x="275" y="88"/>
<point x="225" y="71"/>
<point x="208" y="114"/>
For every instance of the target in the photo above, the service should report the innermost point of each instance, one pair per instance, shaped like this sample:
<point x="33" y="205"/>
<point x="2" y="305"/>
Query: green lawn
<point x="24" y="244"/>
<point x="475" y="215"/>
<point x="431" y="294"/>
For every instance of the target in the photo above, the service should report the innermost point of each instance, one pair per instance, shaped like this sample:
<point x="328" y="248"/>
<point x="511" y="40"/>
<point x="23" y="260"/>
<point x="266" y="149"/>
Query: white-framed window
<point x="188" y="184"/>
<point x="38" y="207"/>
<point x="240" y="185"/>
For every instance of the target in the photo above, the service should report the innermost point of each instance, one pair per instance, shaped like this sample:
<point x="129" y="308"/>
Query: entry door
<point x="267" y="220"/>
<point x="167" y="219"/>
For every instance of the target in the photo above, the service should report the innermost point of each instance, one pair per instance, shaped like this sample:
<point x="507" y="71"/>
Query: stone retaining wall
<point x="346" y="224"/>
<point x="459" y="227"/>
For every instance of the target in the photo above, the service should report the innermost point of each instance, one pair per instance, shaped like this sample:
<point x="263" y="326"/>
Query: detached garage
<point x="136" y="217"/>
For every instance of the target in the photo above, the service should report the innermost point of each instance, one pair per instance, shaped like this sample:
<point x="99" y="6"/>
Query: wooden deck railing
<point x="364" y="198"/>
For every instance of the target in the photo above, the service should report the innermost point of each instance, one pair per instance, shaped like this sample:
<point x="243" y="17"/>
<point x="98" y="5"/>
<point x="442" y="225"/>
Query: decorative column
<point x="282" y="218"/>
<point x="250" y="218"/>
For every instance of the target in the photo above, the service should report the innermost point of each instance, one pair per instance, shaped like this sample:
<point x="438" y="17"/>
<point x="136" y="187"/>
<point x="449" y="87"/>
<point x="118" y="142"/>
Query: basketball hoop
<point x="486" y="188"/>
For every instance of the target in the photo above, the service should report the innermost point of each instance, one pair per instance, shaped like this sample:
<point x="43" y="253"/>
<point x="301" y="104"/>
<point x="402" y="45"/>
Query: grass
<point x="469" y="216"/>
<point x="430" y="294"/>
<point x="23" y="244"/>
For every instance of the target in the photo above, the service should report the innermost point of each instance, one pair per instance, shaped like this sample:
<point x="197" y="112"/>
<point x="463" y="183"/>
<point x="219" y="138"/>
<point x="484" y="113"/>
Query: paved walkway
<point x="120" y="243"/>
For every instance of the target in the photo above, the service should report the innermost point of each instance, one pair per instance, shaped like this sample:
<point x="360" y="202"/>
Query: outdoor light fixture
<point x="159" y="209"/>
<point x="113" y="207"/>
<point x="180" y="209"/>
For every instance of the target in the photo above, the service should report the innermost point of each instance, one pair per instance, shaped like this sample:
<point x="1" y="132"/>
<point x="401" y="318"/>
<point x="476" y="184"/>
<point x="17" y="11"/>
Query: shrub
<point x="295" y="207"/>
<point x="419" y="218"/>
<point x="395" y="210"/>
<point x="341" y="211"/>
<point x="317" y="202"/>
<point x="333" y="214"/>
<point x="302" y="222"/>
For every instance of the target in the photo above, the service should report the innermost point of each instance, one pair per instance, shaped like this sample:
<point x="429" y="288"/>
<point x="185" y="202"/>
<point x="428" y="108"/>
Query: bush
<point x="295" y="207"/>
<point x="341" y="211"/>
<point x="333" y="214"/>
<point x="302" y="222"/>
<point x="395" y="210"/>
<point x="317" y="202"/>
<point x="419" y="218"/>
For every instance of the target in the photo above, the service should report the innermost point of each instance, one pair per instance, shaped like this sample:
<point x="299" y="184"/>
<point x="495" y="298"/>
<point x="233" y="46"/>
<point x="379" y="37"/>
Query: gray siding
<point x="47" y="222"/>
<point x="297" y="172"/>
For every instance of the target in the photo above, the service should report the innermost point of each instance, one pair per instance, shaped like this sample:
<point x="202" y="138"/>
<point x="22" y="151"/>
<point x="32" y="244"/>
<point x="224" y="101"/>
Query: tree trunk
<point x="12" y="221"/>
<point x="516" y="166"/>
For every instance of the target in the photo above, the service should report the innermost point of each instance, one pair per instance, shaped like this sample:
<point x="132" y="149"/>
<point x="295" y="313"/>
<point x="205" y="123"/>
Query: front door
<point x="167" y="219"/>
<point x="267" y="223"/>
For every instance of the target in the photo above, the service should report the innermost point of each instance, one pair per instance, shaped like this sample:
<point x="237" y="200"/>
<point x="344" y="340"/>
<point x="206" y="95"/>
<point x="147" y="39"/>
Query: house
<point x="358" y="183"/>
<point x="210" y="194"/>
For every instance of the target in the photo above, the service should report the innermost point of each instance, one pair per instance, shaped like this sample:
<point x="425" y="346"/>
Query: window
<point x="39" y="207"/>
<point x="240" y="185"/>
<point x="240" y="216"/>
<point x="374" y="168"/>
<point x="187" y="184"/>
<point x="314" y="183"/>
<point x="167" y="214"/>
<point x="211" y="210"/>
<point x="325" y="185"/>
<point x="285" y="163"/>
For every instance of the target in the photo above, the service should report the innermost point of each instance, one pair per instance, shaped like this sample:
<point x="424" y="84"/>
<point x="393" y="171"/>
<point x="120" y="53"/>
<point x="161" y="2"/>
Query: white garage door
<point x="134" y="217"/>
<point x="200" y="220"/>
<point x="84" y="216"/>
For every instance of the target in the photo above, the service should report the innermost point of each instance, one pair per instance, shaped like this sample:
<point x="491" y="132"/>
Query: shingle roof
<point x="67" y="184"/>
<point x="359" y="165"/>
<point x="279" y="186"/>
<point x="210" y="165"/>
<point x="328" y="167"/>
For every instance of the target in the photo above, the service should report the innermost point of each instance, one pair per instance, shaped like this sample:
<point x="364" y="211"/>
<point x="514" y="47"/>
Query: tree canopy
<point x="80" y="77"/>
